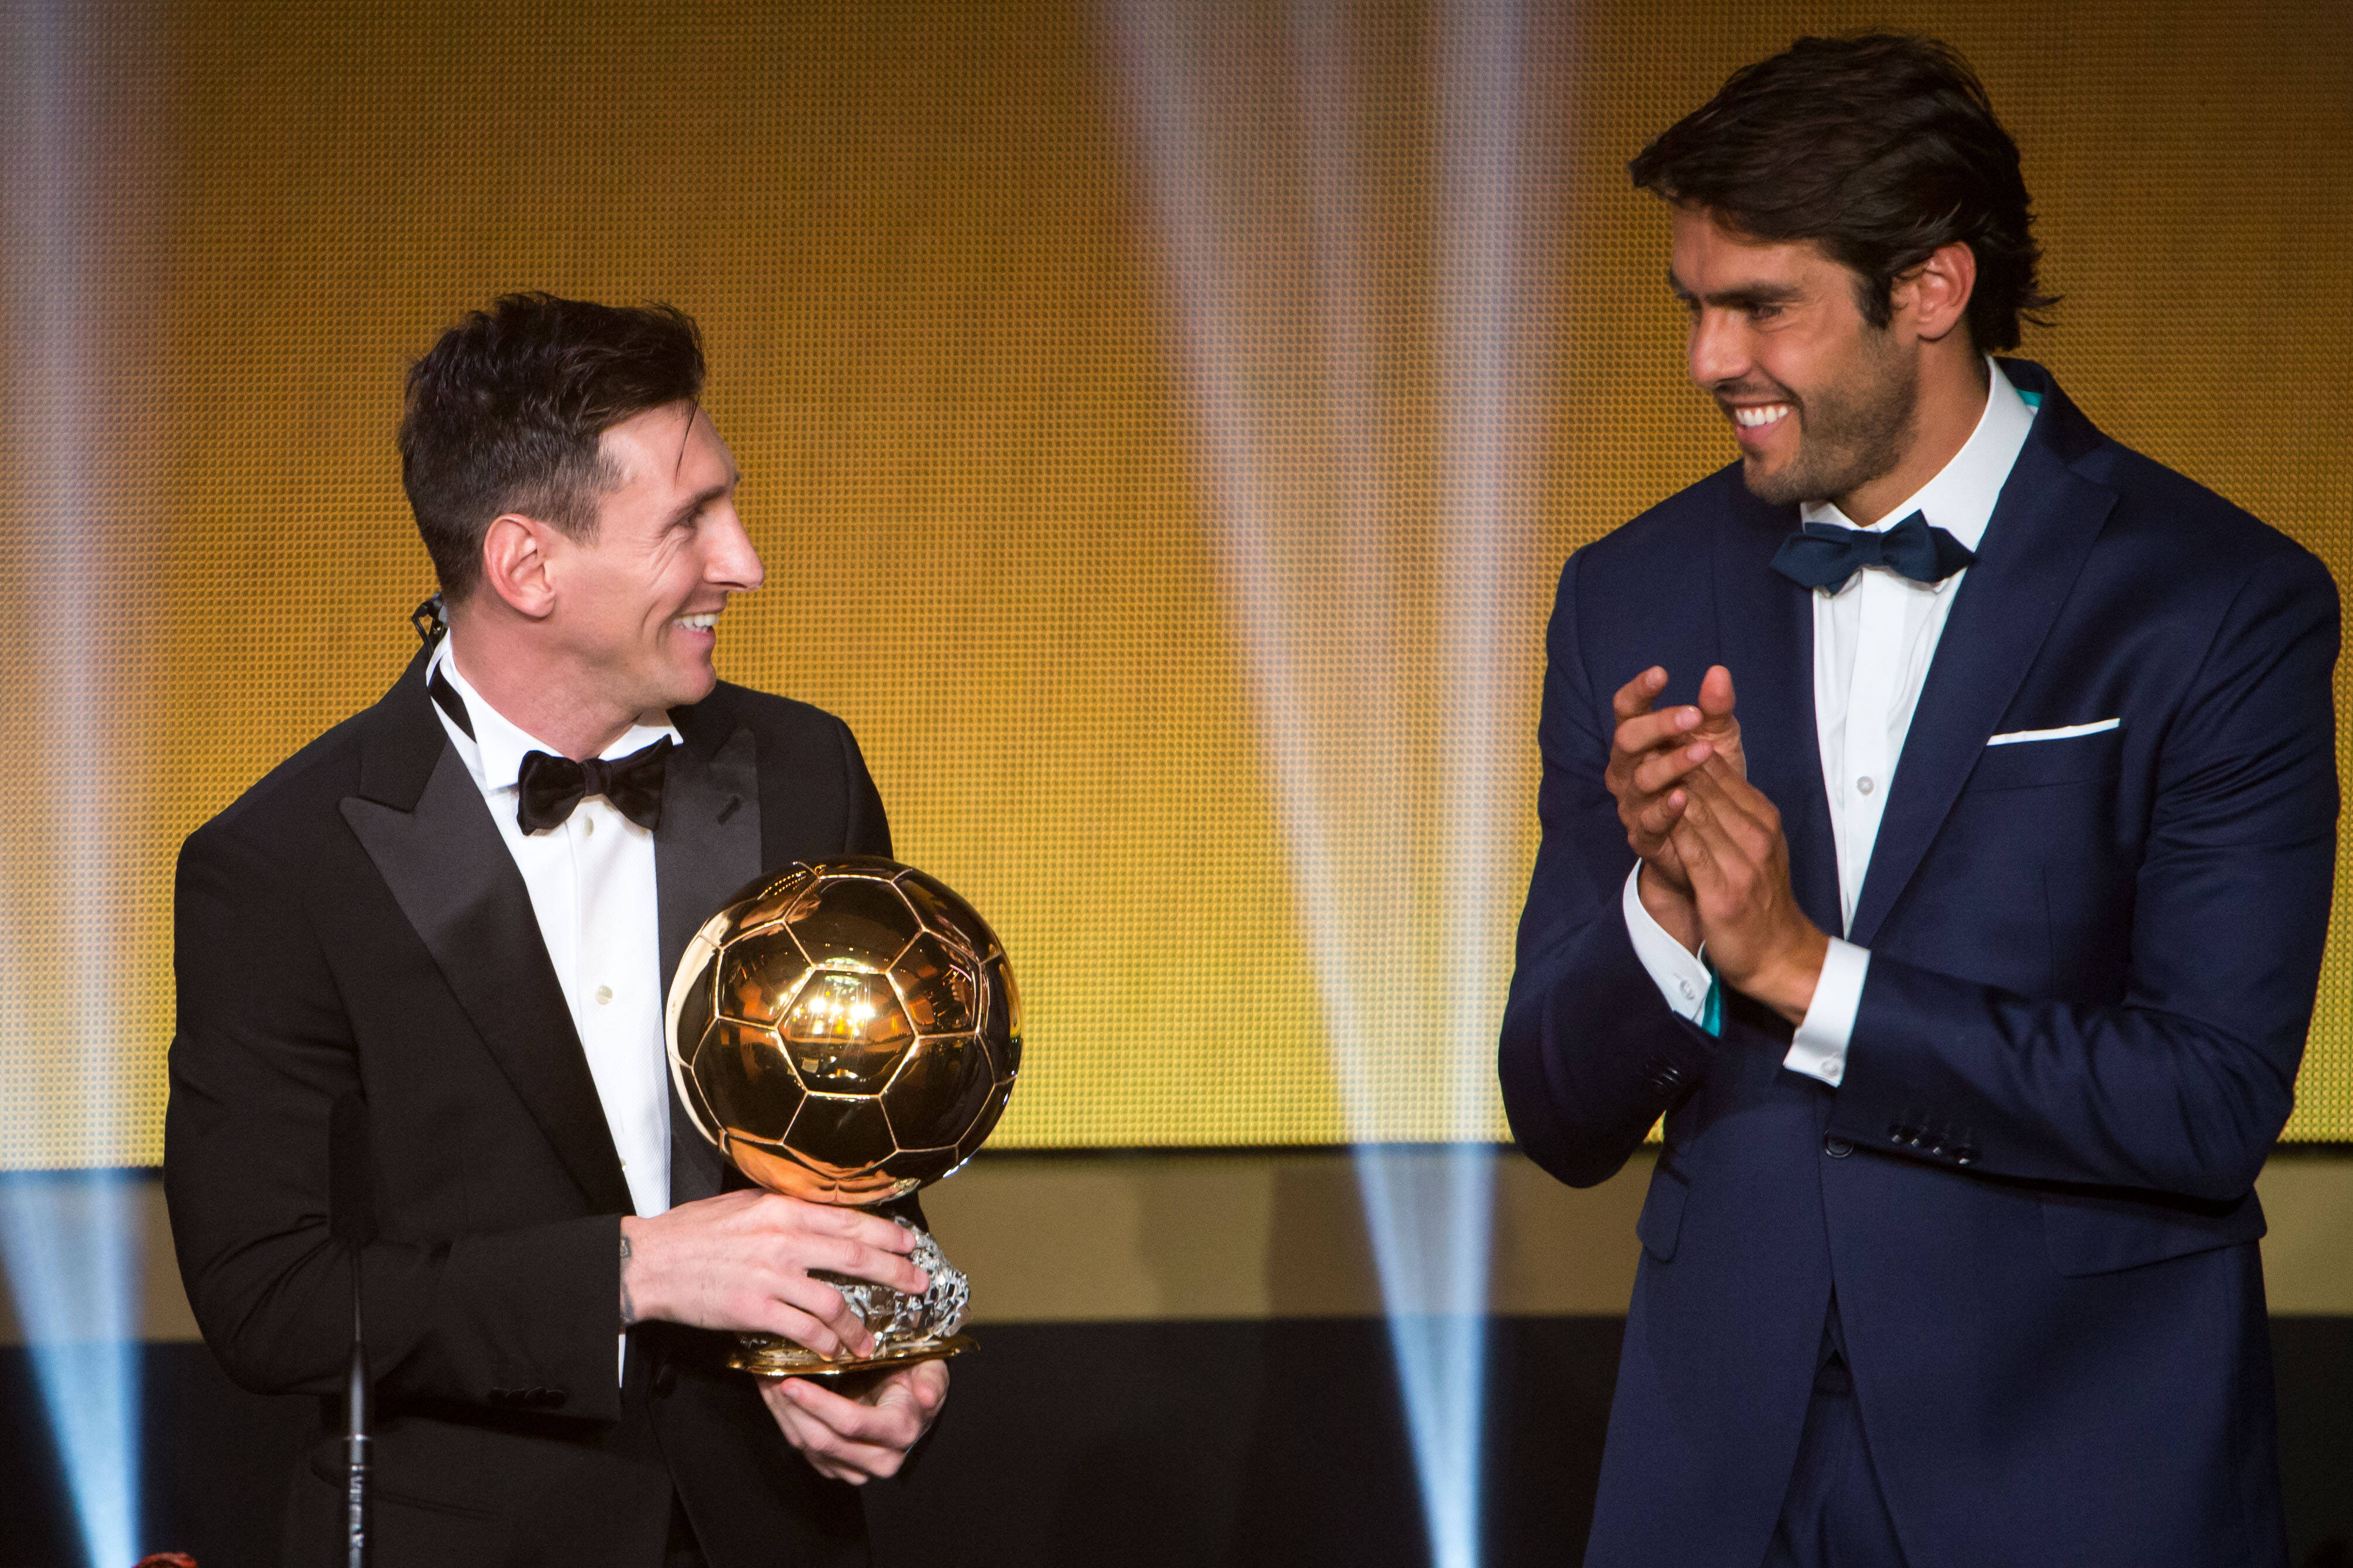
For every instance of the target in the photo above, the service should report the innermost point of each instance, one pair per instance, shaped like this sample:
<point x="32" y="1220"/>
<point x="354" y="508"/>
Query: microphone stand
<point x="351" y="1220"/>
<point x="355" y="1437"/>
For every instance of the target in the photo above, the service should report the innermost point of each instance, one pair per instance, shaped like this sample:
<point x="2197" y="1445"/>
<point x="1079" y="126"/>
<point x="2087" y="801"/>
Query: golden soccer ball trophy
<point x="847" y="1032"/>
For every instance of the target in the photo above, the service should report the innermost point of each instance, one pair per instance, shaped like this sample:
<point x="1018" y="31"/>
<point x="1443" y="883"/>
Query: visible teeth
<point x="1750" y="418"/>
<point x="700" y="623"/>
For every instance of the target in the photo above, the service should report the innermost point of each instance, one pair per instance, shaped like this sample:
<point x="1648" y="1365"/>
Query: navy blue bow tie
<point x="1824" y="556"/>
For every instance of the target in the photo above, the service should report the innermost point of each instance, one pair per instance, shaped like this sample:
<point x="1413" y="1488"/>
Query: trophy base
<point x="767" y="1356"/>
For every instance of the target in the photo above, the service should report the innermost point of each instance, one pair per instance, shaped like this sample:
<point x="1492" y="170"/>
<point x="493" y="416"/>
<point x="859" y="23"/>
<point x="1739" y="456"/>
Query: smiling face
<point x="636" y="604"/>
<point x="1822" y="402"/>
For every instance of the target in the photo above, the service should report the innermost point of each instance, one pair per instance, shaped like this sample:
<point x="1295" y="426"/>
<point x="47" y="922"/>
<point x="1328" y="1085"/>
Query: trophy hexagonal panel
<point x="845" y="1032"/>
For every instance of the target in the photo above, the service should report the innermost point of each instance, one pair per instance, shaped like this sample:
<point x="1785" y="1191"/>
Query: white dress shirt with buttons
<point x="1873" y="639"/>
<point x="591" y="881"/>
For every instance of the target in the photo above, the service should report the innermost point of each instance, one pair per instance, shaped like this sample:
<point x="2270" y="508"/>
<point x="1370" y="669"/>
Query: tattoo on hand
<point x="629" y="1308"/>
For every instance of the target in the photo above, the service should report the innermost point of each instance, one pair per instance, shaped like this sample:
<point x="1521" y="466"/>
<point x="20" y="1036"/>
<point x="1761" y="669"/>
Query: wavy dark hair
<point x="503" y="414"/>
<point x="1878" y="147"/>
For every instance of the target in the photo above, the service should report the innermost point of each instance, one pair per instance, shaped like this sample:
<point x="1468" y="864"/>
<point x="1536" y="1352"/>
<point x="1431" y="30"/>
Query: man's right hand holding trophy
<point x="845" y="1034"/>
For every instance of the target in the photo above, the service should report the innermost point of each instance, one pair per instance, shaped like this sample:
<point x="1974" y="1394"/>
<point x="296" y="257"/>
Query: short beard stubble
<point x="1850" y="436"/>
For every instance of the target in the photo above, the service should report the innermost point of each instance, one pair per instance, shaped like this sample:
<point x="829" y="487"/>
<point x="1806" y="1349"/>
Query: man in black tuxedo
<point x="1969" y="958"/>
<point x="445" y="929"/>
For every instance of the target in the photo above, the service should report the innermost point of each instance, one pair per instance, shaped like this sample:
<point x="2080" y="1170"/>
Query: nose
<point x="1716" y="351"/>
<point x="733" y="563"/>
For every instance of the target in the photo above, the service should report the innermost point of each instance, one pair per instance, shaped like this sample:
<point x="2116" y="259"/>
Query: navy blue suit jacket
<point x="2093" y="963"/>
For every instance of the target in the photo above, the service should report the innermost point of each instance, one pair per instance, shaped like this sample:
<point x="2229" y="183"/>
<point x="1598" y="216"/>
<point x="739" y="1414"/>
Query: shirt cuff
<point x="1819" y="1049"/>
<point x="1682" y="979"/>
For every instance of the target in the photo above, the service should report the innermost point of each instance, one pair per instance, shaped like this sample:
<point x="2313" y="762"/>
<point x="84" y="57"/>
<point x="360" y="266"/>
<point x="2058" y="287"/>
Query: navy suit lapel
<point x="706" y="849"/>
<point x="2043" y="527"/>
<point x="425" y="825"/>
<point x="1766" y="632"/>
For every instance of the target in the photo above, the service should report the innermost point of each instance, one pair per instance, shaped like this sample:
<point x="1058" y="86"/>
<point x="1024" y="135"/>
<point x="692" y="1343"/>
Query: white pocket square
<point x="2065" y="732"/>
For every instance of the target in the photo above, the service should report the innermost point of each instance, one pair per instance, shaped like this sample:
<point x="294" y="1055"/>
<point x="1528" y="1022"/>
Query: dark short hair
<point x="504" y="413"/>
<point x="1880" y="148"/>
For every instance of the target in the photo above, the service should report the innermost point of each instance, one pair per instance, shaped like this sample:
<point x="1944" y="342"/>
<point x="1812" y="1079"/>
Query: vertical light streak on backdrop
<point x="1422" y="1231"/>
<point x="70" y="608"/>
<point x="1440" y="1210"/>
<point x="1261" y="178"/>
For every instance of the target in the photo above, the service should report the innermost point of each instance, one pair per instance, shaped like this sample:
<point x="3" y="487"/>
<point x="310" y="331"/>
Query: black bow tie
<point x="549" y="788"/>
<point x="1824" y="556"/>
<point x="552" y="787"/>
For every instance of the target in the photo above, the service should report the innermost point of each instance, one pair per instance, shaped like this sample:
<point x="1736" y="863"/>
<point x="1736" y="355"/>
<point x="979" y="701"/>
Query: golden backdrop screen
<point x="1163" y="421"/>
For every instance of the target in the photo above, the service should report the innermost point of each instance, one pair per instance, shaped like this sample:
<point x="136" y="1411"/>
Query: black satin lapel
<point x="707" y="848"/>
<point x="401" y="740"/>
<point x="1766" y="624"/>
<point x="2041" y="531"/>
<point x="455" y="881"/>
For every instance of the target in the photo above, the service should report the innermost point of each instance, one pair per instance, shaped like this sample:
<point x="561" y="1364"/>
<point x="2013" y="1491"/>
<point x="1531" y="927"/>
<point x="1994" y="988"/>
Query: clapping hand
<point x="1650" y="754"/>
<point x="1727" y="836"/>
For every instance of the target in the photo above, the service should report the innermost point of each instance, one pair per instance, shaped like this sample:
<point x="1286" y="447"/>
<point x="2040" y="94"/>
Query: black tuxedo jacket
<point x="355" y="925"/>
<point x="2093" y="963"/>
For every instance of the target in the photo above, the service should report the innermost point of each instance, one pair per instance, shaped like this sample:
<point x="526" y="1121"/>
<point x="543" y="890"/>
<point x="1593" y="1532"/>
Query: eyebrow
<point x="1746" y="296"/>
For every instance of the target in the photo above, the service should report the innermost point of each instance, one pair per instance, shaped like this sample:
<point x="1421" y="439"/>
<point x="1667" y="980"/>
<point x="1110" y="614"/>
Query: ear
<point x="515" y="564"/>
<point x="1936" y="293"/>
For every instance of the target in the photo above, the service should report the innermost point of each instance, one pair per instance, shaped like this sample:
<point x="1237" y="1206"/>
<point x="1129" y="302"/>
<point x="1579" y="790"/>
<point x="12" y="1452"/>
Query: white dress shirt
<point x="1874" y="638"/>
<point x="591" y="881"/>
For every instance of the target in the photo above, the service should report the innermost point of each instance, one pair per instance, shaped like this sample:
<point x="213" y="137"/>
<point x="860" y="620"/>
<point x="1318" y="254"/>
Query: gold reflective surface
<point x="770" y="1356"/>
<point x="845" y="1032"/>
<point x="975" y="363"/>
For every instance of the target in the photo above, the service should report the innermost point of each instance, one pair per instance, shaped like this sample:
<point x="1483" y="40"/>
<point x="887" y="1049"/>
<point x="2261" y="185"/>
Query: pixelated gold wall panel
<point x="937" y="298"/>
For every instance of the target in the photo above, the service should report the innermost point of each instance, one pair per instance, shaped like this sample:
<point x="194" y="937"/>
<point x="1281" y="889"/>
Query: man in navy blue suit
<point x="1969" y="949"/>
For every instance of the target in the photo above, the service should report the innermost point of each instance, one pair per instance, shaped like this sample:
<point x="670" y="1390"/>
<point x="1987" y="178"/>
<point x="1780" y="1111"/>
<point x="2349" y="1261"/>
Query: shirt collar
<point x="495" y="751"/>
<point x="1960" y="499"/>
